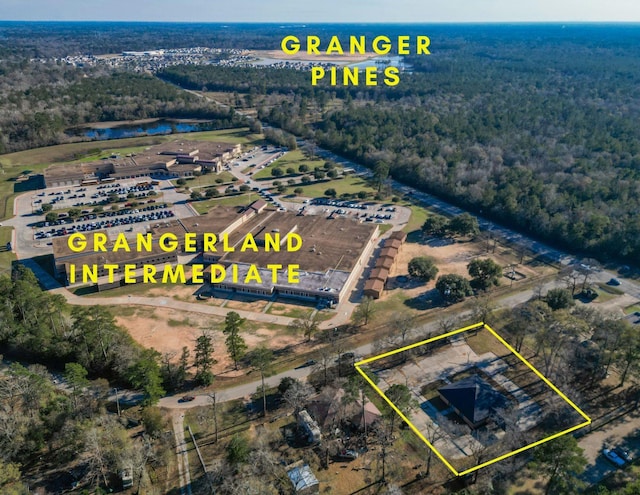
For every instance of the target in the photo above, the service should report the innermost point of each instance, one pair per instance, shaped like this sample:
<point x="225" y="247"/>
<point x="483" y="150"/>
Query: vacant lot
<point x="450" y="256"/>
<point x="168" y="331"/>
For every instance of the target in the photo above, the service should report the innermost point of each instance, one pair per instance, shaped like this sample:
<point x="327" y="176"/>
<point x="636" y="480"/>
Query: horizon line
<point x="355" y="23"/>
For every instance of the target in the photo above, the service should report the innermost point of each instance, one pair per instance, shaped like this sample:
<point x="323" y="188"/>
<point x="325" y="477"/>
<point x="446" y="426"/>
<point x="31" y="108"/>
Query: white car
<point x="613" y="457"/>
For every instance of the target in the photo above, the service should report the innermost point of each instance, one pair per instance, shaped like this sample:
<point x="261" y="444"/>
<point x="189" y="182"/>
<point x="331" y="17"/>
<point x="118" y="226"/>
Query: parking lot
<point x="108" y="219"/>
<point x="136" y="211"/>
<point x="88" y="196"/>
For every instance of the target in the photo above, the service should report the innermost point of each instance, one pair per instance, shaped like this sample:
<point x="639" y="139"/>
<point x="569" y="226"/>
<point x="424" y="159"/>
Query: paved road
<point x="167" y="302"/>
<point x="301" y="373"/>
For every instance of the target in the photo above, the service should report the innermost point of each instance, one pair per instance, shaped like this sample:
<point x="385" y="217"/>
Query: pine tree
<point x="236" y="346"/>
<point x="203" y="360"/>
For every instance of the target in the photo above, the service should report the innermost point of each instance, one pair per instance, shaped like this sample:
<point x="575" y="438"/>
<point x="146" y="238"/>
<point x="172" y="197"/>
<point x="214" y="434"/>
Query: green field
<point x="631" y="309"/>
<point x="202" y="207"/>
<point x="292" y="159"/>
<point x="417" y="219"/>
<point x="15" y="164"/>
<point x="347" y="185"/>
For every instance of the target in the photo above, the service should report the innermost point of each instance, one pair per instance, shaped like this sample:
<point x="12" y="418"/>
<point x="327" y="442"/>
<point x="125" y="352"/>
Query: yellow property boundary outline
<point x="516" y="353"/>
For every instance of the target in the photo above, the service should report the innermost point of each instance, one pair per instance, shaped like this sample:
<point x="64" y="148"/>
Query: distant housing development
<point x="167" y="160"/>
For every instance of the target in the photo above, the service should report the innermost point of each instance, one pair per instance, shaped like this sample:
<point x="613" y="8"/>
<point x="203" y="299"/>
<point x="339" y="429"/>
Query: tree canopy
<point x="423" y="267"/>
<point x="453" y="288"/>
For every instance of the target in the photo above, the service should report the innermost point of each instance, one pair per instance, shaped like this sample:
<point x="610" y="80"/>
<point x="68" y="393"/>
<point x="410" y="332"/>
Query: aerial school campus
<point x="253" y="229"/>
<point x="242" y="310"/>
<point x="476" y="400"/>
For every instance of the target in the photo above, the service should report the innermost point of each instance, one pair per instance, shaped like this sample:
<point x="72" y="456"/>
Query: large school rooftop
<point x="333" y="253"/>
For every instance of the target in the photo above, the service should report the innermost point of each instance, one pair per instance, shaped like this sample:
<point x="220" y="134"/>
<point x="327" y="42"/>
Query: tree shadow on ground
<point x="427" y="300"/>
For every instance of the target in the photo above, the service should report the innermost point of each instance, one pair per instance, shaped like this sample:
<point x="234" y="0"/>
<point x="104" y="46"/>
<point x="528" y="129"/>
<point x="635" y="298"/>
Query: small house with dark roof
<point x="473" y="399"/>
<point x="384" y="263"/>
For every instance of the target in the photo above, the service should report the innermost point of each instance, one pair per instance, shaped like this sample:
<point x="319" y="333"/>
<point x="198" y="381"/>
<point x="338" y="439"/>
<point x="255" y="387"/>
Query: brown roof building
<point x="373" y="288"/>
<point x="399" y="235"/>
<point x="380" y="274"/>
<point x="172" y="159"/>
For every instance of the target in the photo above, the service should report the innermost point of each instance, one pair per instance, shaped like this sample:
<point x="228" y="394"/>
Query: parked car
<point x="187" y="398"/>
<point x="614" y="458"/>
<point x="614" y="281"/>
<point x="623" y="454"/>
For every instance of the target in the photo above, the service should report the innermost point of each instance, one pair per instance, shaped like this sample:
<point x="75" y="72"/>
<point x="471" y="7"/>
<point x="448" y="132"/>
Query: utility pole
<point x="215" y="414"/>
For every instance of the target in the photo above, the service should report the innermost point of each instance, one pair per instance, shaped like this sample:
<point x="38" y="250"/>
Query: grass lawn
<point x="347" y="185"/>
<point x="483" y="341"/>
<point x="631" y="309"/>
<point x="389" y="306"/>
<point x="603" y="296"/>
<point x="417" y="219"/>
<point x="292" y="159"/>
<point x="239" y="135"/>
<point x="6" y="257"/>
<point x="202" y="207"/>
<point x="36" y="160"/>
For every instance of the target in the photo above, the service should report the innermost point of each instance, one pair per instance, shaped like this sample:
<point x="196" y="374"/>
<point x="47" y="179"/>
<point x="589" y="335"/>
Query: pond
<point x="120" y="131"/>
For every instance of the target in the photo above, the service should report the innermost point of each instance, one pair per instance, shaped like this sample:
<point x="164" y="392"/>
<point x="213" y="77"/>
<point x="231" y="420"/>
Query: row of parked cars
<point x="339" y="204"/>
<point x="269" y="197"/>
<point x="106" y="223"/>
<point x="86" y="215"/>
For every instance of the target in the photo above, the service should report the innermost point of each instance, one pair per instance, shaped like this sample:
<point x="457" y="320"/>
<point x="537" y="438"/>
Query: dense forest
<point x="38" y="114"/>
<point x="533" y="126"/>
<point x="42" y="421"/>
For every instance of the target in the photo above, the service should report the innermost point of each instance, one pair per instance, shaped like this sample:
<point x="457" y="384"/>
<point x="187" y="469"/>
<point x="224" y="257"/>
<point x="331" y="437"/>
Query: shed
<point x="303" y="480"/>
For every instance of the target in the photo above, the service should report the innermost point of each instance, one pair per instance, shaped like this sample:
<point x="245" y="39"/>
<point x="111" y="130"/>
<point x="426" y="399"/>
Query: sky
<point x="324" y="10"/>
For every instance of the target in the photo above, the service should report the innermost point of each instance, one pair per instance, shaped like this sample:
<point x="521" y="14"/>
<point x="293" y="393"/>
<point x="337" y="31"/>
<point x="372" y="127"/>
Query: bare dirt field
<point x="450" y="257"/>
<point x="247" y="303"/>
<point x="168" y="331"/>
<point x="281" y="308"/>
